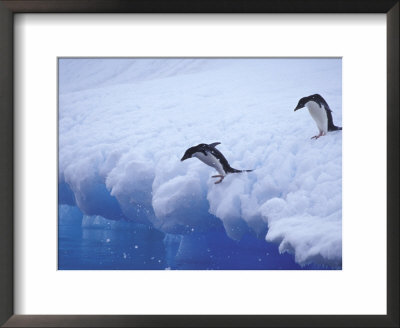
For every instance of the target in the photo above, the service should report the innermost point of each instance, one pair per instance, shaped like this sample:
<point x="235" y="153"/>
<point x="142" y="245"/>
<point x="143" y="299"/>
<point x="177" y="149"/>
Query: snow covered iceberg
<point x="124" y="124"/>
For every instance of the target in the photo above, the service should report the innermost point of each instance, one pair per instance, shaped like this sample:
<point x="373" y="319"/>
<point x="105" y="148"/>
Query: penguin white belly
<point x="319" y="116"/>
<point x="210" y="160"/>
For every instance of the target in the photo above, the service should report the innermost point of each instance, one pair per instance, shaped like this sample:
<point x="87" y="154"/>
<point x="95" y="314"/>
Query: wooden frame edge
<point x="7" y="10"/>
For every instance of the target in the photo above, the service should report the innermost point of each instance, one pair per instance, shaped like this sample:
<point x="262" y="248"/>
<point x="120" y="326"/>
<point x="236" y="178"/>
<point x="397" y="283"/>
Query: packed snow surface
<point x="124" y="125"/>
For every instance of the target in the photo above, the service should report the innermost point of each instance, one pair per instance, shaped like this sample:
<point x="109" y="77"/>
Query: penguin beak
<point x="298" y="107"/>
<point x="184" y="157"/>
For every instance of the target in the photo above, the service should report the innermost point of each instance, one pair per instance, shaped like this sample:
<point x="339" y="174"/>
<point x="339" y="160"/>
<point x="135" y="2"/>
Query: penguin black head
<point x="190" y="151"/>
<point x="316" y="98"/>
<point x="302" y="102"/>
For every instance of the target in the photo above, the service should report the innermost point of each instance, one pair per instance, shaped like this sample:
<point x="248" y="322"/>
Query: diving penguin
<point x="211" y="156"/>
<point x="320" y="112"/>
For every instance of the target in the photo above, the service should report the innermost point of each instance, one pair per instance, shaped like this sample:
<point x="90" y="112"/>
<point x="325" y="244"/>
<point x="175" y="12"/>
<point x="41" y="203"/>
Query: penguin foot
<point x="220" y="176"/>
<point x="320" y="135"/>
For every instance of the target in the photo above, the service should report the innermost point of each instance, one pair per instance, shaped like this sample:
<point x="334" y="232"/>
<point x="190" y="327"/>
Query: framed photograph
<point x="199" y="164"/>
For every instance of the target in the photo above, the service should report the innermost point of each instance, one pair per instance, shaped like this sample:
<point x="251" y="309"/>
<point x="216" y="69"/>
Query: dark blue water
<point x="131" y="246"/>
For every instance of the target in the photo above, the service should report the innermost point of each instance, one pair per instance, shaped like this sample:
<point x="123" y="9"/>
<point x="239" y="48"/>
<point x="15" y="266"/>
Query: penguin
<point x="320" y="112"/>
<point x="211" y="156"/>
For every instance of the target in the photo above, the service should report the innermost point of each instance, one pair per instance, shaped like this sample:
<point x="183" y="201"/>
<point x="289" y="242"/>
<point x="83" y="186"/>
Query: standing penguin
<point x="211" y="156"/>
<point x="320" y="112"/>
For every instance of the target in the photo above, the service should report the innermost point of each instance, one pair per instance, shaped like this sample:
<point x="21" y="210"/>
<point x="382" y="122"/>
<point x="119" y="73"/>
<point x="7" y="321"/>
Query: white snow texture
<point x="124" y="124"/>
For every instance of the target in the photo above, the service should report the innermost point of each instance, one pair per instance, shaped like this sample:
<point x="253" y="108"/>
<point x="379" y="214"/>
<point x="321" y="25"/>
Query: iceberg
<point x="124" y="124"/>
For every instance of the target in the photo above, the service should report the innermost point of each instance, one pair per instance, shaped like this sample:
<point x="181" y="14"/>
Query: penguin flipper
<point x="214" y="144"/>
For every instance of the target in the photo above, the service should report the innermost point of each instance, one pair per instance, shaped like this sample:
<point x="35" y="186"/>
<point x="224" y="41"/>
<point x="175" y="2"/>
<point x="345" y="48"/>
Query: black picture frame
<point x="10" y="7"/>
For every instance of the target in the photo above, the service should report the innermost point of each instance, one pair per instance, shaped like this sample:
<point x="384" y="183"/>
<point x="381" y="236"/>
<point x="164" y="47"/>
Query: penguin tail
<point x="335" y="128"/>
<point x="232" y="170"/>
